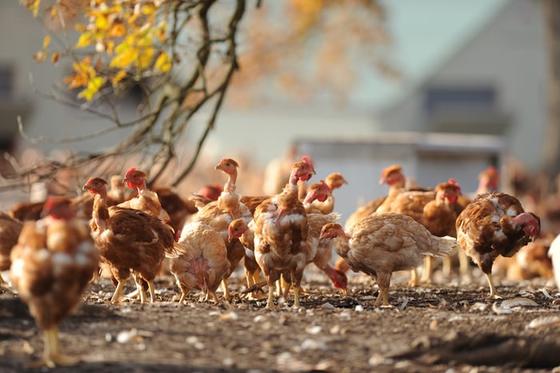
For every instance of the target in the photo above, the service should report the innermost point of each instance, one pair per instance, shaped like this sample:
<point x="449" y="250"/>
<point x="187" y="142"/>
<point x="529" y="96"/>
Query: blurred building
<point x="494" y="83"/>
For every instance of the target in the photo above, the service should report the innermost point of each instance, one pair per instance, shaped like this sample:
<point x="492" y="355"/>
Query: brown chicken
<point x="52" y="264"/>
<point x="9" y="233"/>
<point x="381" y="244"/>
<point x="531" y="261"/>
<point x="221" y="213"/>
<point x="27" y="211"/>
<point x="439" y="218"/>
<point x="280" y="228"/>
<point x="202" y="260"/>
<point x="333" y="181"/>
<point x="494" y="224"/>
<point x="394" y="178"/>
<point x="146" y="200"/>
<point x="128" y="240"/>
<point x="176" y="207"/>
<point x="205" y="195"/>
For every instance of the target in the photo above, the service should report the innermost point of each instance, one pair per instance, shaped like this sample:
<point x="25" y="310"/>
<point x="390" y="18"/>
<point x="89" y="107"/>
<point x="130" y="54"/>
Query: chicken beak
<point x="218" y="166"/>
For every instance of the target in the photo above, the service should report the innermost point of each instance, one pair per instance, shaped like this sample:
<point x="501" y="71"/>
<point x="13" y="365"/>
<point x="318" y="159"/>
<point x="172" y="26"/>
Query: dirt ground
<point x="428" y="329"/>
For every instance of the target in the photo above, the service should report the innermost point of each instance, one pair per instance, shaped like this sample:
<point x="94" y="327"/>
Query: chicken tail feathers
<point x="443" y="246"/>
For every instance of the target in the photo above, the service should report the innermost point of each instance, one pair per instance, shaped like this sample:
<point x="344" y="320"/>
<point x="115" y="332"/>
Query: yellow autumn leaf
<point x="101" y="22"/>
<point x="145" y="58"/>
<point x="85" y="40"/>
<point x="125" y="57"/>
<point x="148" y="9"/>
<point x="33" y="6"/>
<point x="46" y="41"/>
<point x="163" y="63"/>
<point x="93" y="86"/>
<point x="118" y="78"/>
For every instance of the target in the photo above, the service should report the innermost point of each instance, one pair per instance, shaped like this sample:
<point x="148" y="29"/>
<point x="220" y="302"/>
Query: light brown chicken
<point x="129" y="240"/>
<point x="333" y="181"/>
<point x="202" y="261"/>
<point x="531" y="261"/>
<point x="439" y="218"/>
<point x="9" y="233"/>
<point x="280" y="228"/>
<point x="494" y="224"/>
<point x="394" y="178"/>
<point x="381" y="244"/>
<point x="146" y="200"/>
<point x="221" y="213"/>
<point x="52" y="264"/>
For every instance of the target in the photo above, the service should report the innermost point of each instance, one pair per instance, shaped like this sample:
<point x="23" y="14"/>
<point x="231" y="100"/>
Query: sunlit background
<point x="471" y="91"/>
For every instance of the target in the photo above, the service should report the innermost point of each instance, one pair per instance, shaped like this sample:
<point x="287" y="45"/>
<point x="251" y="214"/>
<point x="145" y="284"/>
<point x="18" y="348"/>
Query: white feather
<point x="16" y="269"/>
<point x="554" y="253"/>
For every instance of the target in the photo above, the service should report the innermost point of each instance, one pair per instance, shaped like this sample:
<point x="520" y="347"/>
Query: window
<point x="6" y="81"/>
<point x="460" y="98"/>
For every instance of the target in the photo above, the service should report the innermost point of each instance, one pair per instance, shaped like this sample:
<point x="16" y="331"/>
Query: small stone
<point x="229" y="316"/>
<point x="433" y="325"/>
<point x="359" y="308"/>
<point x="126" y="335"/>
<point x="335" y="329"/>
<point x="376" y="359"/>
<point x="314" y="329"/>
<point x="311" y="344"/>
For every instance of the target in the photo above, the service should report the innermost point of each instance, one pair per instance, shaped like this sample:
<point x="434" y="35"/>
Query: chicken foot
<point x="383" y="281"/>
<point x="117" y="295"/>
<point x="152" y="291"/>
<point x="493" y="292"/>
<point x="428" y="269"/>
<point x="140" y="288"/>
<point x="271" y="278"/>
<point x="464" y="273"/>
<point x="51" y="354"/>
<point x="225" y="288"/>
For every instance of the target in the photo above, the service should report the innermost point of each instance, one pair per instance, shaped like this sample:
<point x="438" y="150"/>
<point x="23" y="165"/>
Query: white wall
<point x="509" y="53"/>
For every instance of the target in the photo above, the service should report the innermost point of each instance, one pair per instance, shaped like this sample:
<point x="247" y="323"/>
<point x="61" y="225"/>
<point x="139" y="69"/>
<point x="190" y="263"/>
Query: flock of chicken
<point x="64" y="242"/>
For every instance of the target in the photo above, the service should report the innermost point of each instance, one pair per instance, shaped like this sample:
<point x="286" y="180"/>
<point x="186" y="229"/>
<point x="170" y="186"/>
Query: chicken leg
<point x="446" y="267"/>
<point x="427" y="273"/>
<point x="463" y="266"/>
<point x="141" y="292"/>
<point x="152" y="290"/>
<point x="413" y="282"/>
<point x="117" y="295"/>
<point x="51" y="354"/>
<point x="493" y="293"/>
<point x="383" y="280"/>
<point x="227" y="295"/>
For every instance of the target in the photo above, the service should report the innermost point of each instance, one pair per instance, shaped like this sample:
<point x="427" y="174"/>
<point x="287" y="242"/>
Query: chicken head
<point x="335" y="180"/>
<point x="236" y="229"/>
<point x="135" y="179"/>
